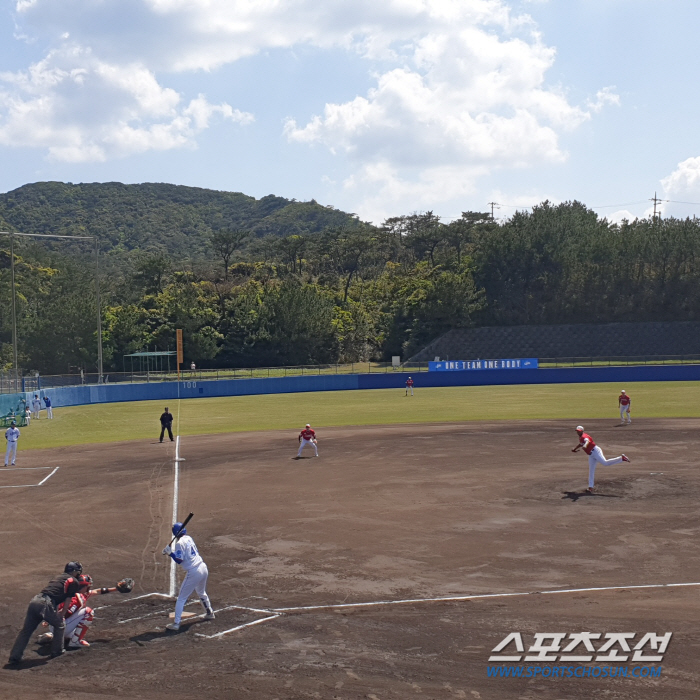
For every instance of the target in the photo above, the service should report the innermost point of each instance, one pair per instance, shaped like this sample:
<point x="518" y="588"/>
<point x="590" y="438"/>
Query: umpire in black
<point x="43" y="606"/>
<point x="166" y="423"/>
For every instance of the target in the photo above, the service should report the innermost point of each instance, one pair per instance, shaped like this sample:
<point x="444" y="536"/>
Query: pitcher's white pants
<point x="195" y="580"/>
<point x="595" y="457"/>
<point x="304" y="443"/>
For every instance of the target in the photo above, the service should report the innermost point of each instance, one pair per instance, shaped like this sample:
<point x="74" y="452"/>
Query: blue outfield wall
<point x="169" y="391"/>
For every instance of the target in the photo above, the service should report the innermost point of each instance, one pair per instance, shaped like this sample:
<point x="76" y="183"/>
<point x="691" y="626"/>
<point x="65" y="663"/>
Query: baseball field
<point x="429" y="530"/>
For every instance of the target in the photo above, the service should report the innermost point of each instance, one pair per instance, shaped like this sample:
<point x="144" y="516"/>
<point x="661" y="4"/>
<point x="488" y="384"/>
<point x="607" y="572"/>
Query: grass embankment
<point x="578" y="402"/>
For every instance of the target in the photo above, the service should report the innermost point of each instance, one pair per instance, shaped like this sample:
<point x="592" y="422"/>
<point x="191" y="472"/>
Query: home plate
<point x="184" y="615"/>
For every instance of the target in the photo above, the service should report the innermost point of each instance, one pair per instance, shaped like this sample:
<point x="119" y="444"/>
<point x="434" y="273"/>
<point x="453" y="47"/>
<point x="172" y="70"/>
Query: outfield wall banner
<point x="462" y="365"/>
<point x="189" y="389"/>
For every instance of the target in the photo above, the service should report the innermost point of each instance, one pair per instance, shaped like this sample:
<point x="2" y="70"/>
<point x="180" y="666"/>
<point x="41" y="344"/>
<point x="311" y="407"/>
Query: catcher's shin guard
<point x="80" y="632"/>
<point x="81" y="628"/>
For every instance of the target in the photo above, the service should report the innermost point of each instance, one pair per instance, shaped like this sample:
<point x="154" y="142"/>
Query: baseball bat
<point x="184" y="525"/>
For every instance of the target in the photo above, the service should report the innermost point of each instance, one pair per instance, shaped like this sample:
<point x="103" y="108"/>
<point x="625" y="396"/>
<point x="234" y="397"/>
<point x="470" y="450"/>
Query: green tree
<point x="226" y="243"/>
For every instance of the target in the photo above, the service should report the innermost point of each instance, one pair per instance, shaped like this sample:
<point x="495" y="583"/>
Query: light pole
<point x="99" y="313"/>
<point x="14" y="314"/>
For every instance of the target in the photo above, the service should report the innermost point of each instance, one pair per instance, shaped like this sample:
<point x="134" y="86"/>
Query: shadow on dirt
<point x="575" y="495"/>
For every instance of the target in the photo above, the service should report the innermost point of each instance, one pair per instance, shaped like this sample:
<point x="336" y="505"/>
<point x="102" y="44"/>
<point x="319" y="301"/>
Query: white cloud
<point x="459" y="87"/>
<point x="604" y="97"/>
<point x="684" y="181"/>
<point x="617" y="217"/>
<point x="470" y="97"/>
<point x="80" y="108"/>
<point x="383" y="189"/>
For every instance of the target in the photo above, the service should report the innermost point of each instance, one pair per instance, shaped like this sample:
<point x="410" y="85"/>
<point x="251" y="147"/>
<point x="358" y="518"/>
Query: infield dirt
<point x="385" y="513"/>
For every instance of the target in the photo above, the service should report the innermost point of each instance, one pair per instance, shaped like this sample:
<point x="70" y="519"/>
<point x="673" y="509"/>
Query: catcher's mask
<point x="73" y="567"/>
<point x="85" y="580"/>
<point x="178" y="530"/>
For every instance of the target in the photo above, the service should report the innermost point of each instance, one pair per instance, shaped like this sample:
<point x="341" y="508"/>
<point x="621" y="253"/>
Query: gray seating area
<point x="566" y="341"/>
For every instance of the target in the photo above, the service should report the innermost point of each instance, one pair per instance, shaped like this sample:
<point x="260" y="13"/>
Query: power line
<point x="498" y="205"/>
<point x="675" y="201"/>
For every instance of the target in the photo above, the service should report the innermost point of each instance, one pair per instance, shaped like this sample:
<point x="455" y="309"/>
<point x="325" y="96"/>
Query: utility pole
<point x="656" y="201"/>
<point x="493" y="204"/>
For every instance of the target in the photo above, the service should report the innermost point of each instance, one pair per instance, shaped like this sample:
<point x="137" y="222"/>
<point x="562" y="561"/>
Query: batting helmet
<point x="178" y="530"/>
<point x="73" y="567"/>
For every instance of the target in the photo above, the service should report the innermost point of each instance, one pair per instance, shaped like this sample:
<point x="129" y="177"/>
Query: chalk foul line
<point x="448" y="599"/>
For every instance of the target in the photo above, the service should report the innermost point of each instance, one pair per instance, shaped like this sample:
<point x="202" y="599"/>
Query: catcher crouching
<point x="79" y="615"/>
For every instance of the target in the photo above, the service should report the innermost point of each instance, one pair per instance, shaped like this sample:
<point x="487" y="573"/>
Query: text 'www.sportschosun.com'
<point x="562" y="672"/>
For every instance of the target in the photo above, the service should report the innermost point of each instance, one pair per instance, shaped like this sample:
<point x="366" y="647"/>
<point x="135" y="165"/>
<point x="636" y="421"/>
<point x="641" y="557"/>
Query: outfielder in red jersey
<point x="409" y="386"/>
<point x="625" y="403"/>
<point x="595" y="456"/>
<point x="307" y="437"/>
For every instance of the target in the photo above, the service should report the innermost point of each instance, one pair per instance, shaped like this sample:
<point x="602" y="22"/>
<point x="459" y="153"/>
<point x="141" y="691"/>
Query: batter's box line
<point x="26" y="469"/>
<point x="239" y="627"/>
<point x="194" y="602"/>
<point x="131" y="600"/>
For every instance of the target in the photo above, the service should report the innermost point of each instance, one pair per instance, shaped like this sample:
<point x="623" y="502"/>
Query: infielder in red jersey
<point x="595" y="456"/>
<point x="625" y="403"/>
<point x="307" y="437"/>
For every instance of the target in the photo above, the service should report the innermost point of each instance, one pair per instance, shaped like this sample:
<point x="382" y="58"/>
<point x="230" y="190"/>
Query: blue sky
<point x="376" y="108"/>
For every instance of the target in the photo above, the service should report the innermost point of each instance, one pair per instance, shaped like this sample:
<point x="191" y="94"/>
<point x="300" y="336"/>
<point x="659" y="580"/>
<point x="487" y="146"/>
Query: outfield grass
<point x="577" y="402"/>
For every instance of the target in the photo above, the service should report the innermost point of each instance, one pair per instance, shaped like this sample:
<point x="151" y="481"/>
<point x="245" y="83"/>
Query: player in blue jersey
<point x="11" y="435"/>
<point x="184" y="552"/>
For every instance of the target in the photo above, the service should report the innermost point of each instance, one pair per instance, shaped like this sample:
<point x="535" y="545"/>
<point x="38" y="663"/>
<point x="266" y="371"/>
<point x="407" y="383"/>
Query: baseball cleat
<point x="625" y="458"/>
<point x="590" y="489"/>
<point x="44" y="638"/>
<point x="173" y="626"/>
<point x="210" y="616"/>
<point x="78" y="645"/>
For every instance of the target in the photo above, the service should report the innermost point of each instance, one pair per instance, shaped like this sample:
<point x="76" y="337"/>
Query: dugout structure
<point x="147" y="363"/>
<point x="18" y="414"/>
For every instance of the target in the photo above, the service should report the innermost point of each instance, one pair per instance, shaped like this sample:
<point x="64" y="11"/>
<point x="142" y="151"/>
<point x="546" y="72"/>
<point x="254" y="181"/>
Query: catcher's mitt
<point x="125" y="585"/>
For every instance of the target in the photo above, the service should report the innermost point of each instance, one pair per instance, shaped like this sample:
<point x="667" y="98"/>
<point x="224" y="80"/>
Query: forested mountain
<point x="156" y="216"/>
<point x="277" y="283"/>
